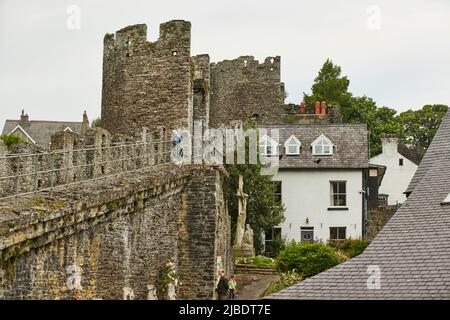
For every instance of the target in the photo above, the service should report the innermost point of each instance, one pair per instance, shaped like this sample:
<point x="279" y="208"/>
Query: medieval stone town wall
<point x="111" y="240"/>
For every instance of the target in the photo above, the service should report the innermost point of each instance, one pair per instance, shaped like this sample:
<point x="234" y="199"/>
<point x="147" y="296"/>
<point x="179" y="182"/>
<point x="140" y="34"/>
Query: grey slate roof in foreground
<point x="41" y="131"/>
<point x="413" y="249"/>
<point x="350" y="141"/>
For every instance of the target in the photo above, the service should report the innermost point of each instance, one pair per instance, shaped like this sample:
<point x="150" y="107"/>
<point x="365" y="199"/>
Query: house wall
<point x="396" y="178"/>
<point x="306" y="194"/>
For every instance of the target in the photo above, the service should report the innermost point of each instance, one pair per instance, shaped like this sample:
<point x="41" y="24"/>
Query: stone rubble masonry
<point x="147" y="84"/>
<point x="243" y="88"/>
<point x="103" y="241"/>
<point x="207" y="246"/>
<point x="201" y="89"/>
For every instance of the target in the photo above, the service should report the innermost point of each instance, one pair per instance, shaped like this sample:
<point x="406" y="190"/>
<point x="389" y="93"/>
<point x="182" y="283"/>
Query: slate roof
<point x="412" y="250"/>
<point x="41" y="131"/>
<point x="350" y="141"/>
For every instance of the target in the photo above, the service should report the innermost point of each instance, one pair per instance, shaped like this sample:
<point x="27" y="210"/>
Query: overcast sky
<point x="397" y="52"/>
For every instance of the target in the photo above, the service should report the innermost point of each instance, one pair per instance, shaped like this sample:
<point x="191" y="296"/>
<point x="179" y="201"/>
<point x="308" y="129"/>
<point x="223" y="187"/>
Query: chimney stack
<point x="317" y="107"/>
<point x="24" y="119"/>
<point x="302" y="107"/>
<point x="389" y="144"/>
<point x="323" y="108"/>
<point x="85" y="125"/>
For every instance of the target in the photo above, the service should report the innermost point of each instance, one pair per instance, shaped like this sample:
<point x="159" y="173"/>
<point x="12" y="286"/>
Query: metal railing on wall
<point x="29" y="174"/>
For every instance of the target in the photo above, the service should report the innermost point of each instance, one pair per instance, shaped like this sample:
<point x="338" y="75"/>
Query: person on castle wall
<point x="222" y="286"/>
<point x="232" y="287"/>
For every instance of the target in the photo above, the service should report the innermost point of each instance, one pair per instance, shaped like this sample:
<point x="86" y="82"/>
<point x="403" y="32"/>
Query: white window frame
<point x="324" y="142"/>
<point x="338" y="193"/>
<point x="292" y="142"/>
<point x="265" y="142"/>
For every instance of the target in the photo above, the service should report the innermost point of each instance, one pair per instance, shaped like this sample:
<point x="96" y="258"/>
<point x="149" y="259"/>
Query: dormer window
<point x="322" y="146"/>
<point x="268" y="146"/>
<point x="292" y="146"/>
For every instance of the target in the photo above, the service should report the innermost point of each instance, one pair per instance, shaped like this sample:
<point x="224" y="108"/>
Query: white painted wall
<point x="306" y="194"/>
<point x="396" y="178"/>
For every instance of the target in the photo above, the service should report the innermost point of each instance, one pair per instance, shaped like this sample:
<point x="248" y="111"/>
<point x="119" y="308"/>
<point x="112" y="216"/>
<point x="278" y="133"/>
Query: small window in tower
<point x="245" y="63"/>
<point x="400" y="161"/>
<point x="174" y="53"/>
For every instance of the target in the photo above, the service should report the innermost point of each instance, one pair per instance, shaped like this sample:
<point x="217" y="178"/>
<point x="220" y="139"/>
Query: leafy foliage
<point x="11" y="139"/>
<point x="307" y="258"/>
<point x="420" y="126"/>
<point x="167" y="275"/>
<point x="256" y="261"/>
<point x="284" y="280"/>
<point x="96" y="123"/>
<point x="415" y="128"/>
<point x="274" y="247"/>
<point x="330" y="86"/>
<point x="263" y="212"/>
<point x="350" y="247"/>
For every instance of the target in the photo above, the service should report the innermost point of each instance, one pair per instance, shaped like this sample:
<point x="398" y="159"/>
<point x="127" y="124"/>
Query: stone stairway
<point x="254" y="270"/>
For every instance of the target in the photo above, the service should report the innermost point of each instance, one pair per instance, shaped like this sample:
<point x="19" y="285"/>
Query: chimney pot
<point x="323" y="108"/>
<point x="317" y="107"/>
<point x="302" y="107"/>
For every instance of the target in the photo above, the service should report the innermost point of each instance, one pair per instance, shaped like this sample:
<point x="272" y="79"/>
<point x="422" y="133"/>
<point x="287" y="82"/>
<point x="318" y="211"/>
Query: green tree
<point x="379" y="120"/>
<point x="263" y="211"/>
<point x="420" y="126"/>
<point x="96" y="123"/>
<point x="331" y="87"/>
<point x="11" y="139"/>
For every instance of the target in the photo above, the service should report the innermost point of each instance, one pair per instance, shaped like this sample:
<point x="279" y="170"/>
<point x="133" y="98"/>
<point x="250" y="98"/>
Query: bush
<point x="11" y="139"/>
<point x="274" y="247"/>
<point x="307" y="258"/>
<point x="350" y="247"/>
<point x="284" y="280"/>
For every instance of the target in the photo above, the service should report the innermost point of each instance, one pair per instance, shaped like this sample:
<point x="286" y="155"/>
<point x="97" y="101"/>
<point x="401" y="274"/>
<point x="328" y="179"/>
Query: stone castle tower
<point x="147" y="84"/>
<point x="153" y="84"/>
<point x="244" y="88"/>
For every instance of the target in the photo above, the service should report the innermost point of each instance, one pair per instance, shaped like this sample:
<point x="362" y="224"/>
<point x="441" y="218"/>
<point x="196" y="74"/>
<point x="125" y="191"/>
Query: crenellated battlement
<point x="147" y="84"/>
<point x="174" y="39"/>
<point x="245" y="88"/>
<point x="248" y="65"/>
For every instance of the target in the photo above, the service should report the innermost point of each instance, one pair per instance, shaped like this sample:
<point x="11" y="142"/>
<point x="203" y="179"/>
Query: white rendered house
<point x="399" y="170"/>
<point x="322" y="180"/>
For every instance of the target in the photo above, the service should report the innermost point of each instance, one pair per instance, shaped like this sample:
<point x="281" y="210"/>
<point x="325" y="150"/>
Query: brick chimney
<point x="317" y="107"/>
<point x="323" y="108"/>
<point x="302" y="107"/>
